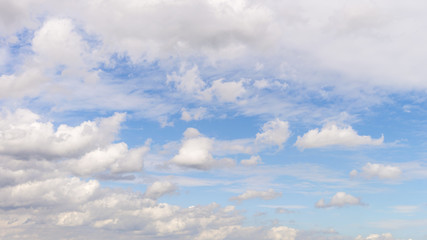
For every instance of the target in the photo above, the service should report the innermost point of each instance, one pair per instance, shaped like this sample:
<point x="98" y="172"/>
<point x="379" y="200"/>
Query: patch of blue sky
<point x="16" y="49"/>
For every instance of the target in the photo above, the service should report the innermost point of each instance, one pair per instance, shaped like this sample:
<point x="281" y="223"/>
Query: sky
<point x="213" y="119"/>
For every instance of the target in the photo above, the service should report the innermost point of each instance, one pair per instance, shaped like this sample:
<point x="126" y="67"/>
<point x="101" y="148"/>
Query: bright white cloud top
<point x="340" y="199"/>
<point x="331" y="134"/>
<point x="266" y="195"/>
<point x="195" y="119"/>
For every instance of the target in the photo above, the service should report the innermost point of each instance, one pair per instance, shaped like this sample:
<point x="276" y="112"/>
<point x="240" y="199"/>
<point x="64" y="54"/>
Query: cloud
<point x="224" y="91"/>
<point x="187" y="81"/>
<point x="251" y="194"/>
<point x="340" y="199"/>
<point x="274" y="132"/>
<point x="195" y="151"/>
<point x="49" y="192"/>
<point x="56" y="43"/>
<point x="252" y="161"/>
<point x="282" y="233"/>
<point x="160" y="188"/>
<point x="116" y="158"/>
<point x="26" y="83"/>
<point x="375" y="170"/>
<point x="384" y="236"/>
<point x="405" y="208"/>
<point x="25" y="136"/>
<point x="332" y="135"/>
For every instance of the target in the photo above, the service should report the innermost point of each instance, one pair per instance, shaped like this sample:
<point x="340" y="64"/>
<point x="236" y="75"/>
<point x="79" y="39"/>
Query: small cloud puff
<point x="340" y="199"/>
<point x="252" y="161"/>
<point x="251" y="194"/>
<point x="195" y="152"/>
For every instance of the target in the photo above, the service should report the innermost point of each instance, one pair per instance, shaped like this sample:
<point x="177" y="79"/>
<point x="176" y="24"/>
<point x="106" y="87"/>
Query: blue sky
<point x="213" y="120"/>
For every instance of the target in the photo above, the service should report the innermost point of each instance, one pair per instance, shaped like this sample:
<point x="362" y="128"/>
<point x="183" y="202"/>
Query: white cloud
<point x="195" y="151"/>
<point x="331" y="135"/>
<point x="56" y="43"/>
<point x="66" y="191"/>
<point x="250" y="194"/>
<point x="187" y="81"/>
<point x="224" y="91"/>
<point x="22" y="84"/>
<point x="340" y="199"/>
<point x="160" y="188"/>
<point x="115" y="157"/>
<point x="282" y="233"/>
<point x="253" y="160"/>
<point x="24" y="135"/>
<point x="275" y="132"/>
<point x="375" y="170"/>
<point x="384" y="236"/>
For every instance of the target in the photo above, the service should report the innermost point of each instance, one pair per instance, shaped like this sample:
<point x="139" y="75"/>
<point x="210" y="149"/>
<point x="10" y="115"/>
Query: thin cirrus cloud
<point x="333" y="135"/>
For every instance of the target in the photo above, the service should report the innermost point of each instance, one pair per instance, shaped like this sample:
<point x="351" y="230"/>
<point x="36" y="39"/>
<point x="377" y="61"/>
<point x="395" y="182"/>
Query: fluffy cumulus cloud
<point x="282" y="233"/>
<point x="24" y="135"/>
<point x="381" y="171"/>
<point x="251" y="194"/>
<point x="275" y="132"/>
<point x="195" y="151"/>
<point x="54" y="191"/>
<point x="340" y="199"/>
<point x="332" y="134"/>
<point x="39" y="193"/>
<point x="116" y="158"/>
